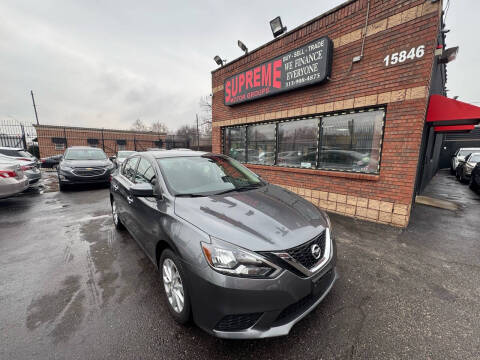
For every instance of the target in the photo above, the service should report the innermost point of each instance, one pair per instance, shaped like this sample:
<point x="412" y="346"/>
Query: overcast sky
<point x="106" y="63"/>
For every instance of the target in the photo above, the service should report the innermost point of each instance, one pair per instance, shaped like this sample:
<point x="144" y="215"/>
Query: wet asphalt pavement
<point x="71" y="287"/>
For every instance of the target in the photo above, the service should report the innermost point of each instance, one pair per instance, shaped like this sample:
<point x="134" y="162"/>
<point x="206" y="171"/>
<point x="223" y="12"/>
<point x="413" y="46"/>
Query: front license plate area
<point x="321" y="283"/>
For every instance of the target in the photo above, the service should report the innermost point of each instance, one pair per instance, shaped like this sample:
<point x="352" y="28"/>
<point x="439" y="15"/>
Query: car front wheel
<point x="173" y="278"/>
<point x="62" y="186"/>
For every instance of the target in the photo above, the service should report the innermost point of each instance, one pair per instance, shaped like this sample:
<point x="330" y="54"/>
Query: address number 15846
<point x="400" y="57"/>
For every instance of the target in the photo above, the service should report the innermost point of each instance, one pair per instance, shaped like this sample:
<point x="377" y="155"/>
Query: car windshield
<point x="209" y="174"/>
<point x="474" y="158"/>
<point x="465" y="152"/>
<point x="124" y="154"/>
<point x="85" y="154"/>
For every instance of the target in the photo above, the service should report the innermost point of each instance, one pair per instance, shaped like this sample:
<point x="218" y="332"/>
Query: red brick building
<point x="349" y="135"/>
<point x="53" y="139"/>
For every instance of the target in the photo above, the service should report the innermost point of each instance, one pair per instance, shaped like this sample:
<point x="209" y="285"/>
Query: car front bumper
<point x="239" y="308"/>
<point x="68" y="177"/>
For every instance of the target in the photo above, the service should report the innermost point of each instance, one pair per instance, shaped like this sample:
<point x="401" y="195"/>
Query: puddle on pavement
<point x="101" y="256"/>
<point x="64" y="308"/>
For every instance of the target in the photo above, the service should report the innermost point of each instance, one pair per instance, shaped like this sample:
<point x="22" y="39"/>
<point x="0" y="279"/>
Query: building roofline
<point x="299" y="27"/>
<point x="98" y="129"/>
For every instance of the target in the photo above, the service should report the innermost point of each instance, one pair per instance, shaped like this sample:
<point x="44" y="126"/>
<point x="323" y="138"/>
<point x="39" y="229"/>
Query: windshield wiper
<point x="242" y="188"/>
<point x="250" y="186"/>
<point x="189" y="195"/>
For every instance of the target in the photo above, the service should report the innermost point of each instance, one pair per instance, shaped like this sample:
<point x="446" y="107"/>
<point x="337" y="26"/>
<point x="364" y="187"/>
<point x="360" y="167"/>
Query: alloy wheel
<point x="173" y="285"/>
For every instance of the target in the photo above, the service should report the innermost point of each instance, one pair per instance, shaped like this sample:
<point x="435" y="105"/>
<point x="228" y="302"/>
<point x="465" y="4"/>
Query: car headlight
<point x="110" y="166"/>
<point x="232" y="260"/>
<point x="65" y="168"/>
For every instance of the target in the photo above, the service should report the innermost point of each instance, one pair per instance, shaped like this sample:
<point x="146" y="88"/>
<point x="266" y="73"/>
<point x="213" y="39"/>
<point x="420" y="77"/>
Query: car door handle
<point x="130" y="199"/>
<point x="115" y="187"/>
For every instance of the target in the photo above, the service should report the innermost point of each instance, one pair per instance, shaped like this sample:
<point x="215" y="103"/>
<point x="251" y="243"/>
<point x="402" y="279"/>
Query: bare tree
<point x="139" y="125"/>
<point x="206" y="115"/>
<point x="187" y="131"/>
<point x="158" y="127"/>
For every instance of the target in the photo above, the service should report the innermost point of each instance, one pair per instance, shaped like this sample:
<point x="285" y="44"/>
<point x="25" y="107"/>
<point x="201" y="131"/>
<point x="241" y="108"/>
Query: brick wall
<point x="401" y="88"/>
<point x="77" y="136"/>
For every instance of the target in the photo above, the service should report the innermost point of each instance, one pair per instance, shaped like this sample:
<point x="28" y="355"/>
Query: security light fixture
<point x="219" y="60"/>
<point x="242" y="46"/>
<point x="277" y="26"/>
<point x="448" y="55"/>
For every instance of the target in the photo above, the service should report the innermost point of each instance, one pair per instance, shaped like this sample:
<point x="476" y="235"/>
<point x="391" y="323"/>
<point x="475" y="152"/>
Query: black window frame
<point x="151" y="165"/>
<point x="321" y="117"/>
<point x="92" y="142"/>
<point x="134" y="171"/>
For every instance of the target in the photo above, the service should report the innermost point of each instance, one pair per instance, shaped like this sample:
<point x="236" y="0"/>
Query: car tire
<point x="62" y="186"/>
<point x="116" y="219"/>
<point x="168" y="258"/>
<point x="473" y="185"/>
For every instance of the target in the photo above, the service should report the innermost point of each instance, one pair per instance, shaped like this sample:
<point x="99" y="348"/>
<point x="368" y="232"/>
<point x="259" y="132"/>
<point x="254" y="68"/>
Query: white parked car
<point x="29" y="167"/>
<point x="460" y="155"/>
<point x="12" y="179"/>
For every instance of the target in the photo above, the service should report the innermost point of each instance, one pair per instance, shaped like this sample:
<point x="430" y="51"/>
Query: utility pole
<point x="198" y="136"/>
<point x="34" y="107"/>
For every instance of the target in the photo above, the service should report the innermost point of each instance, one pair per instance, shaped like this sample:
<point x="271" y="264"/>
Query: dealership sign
<point x="306" y="65"/>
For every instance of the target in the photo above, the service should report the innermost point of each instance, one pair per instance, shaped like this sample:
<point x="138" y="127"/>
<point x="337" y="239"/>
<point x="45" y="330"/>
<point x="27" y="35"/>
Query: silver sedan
<point x="12" y="179"/>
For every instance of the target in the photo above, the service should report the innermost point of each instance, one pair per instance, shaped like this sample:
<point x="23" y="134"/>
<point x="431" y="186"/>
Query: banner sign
<point x="306" y="65"/>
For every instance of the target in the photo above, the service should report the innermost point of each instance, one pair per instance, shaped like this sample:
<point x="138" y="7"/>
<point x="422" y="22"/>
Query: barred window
<point x="297" y="143"/>
<point x="261" y="144"/>
<point x="341" y="142"/>
<point x="351" y="142"/>
<point x="235" y="143"/>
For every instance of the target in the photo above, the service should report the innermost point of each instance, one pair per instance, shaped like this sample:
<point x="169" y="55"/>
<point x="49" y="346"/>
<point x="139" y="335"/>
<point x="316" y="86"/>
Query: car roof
<point x="84" y="147"/>
<point x="10" y="148"/>
<point x="173" y="153"/>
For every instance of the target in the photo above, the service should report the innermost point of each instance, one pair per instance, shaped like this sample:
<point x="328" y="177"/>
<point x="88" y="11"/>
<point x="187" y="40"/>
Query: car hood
<point x="264" y="219"/>
<point x="85" y="163"/>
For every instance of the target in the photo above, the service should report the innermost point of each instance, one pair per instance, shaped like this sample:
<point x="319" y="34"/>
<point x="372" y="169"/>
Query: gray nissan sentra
<point x="242" y="257"/>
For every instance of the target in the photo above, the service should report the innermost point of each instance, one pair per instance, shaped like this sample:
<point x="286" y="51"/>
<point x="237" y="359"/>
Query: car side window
<point x="128" y="169"/>
<point x="145" y="172"/>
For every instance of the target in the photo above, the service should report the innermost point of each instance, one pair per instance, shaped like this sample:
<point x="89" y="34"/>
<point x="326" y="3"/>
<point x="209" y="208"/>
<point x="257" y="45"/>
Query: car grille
<point x="237" y="322"/>
<point x="296" y="309"/>
<point x="303" y="253"/>
<point x="88" y="171"/>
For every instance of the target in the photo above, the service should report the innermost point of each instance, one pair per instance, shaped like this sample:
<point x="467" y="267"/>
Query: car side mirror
<point x="142" y="190"/>
<point x="112" y="158"/>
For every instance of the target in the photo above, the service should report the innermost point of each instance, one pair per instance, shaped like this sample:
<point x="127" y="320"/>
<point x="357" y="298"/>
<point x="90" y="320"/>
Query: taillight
<point x="26" y="167"/>
<point x="24" y="159"/>
<point x="7" y="174"/>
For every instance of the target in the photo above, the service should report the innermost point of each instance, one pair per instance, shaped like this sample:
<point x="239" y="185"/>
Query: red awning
<point x="454" y="128"/>
<point x="444" y="112"/>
